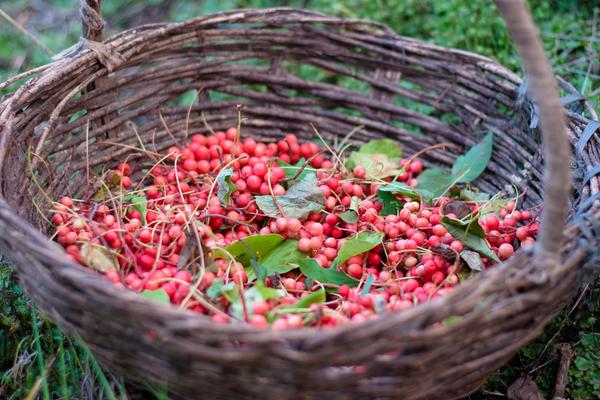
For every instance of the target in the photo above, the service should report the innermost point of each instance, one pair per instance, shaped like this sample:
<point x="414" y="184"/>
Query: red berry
<point x="505" y="251"/>
<point x="492" y="222"/>
<point x="355" y="270"/>
<point x="253" y="183"/>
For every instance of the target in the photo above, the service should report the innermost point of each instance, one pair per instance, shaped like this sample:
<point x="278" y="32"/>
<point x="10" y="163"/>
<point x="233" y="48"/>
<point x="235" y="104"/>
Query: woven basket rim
<point x="162" y="29"/>
<point x="500" y="310"/>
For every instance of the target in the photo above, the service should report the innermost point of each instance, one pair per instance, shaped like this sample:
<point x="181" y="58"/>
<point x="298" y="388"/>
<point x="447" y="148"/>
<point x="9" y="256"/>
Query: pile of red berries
<point x="170" y="234"/>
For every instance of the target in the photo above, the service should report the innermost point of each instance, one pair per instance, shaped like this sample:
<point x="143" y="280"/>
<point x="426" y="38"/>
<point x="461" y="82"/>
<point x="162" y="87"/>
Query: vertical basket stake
<point x="91" y="20"/>
<point x="557" y="155"/>
<point x="92" y="28"/>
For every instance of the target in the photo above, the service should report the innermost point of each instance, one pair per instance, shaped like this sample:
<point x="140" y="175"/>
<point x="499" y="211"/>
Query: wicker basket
<point x="78" y="114"/>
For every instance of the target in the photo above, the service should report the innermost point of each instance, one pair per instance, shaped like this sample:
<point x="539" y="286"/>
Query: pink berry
<point x="505" y="251"/>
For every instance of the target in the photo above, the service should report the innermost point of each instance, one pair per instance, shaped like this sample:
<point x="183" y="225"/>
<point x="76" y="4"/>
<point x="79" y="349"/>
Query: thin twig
<point x="23" y="30"/>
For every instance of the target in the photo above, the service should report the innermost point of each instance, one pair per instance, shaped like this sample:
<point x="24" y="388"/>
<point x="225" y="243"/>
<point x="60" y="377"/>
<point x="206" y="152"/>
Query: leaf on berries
<point x="433" y="183"/>
<point x="492" y="206"/>
<point x="251" y="296"/>
<point x="259" y="270"/>
<point x="473" y="260"/>
<point x="405" y="190"/>
<point x="317" y="297"/>
<point x="215" y="289"/>
<point x="457" y="208"/>
<point x="465" y="274"/>
<point x="251" y="247"/>
<point x="390" y="204"/>
<point x="111" y="180"/>
<point x="376" y="165"/>
<point x="157" y="295"/>
<point x="311" y="268"/>
<point x="470" y="226"/>
<point x="292" y="170"/>
<point x="226" y="187"/>
<point x="309" y="282"/>
<point x="254" y="294"/>
<point x="389" y="147"/>
<point x="138" y="203"/>
<point x="368" y="284"/>
<point x="301" y="199"/>
<point x="475" y="197"/>
<point x="362" y="243"/>
<point x="231" y="291"/>
<point x="283" y="258"/>
<point x="471" y="234"/>
<point x="445" y="251"/>
<point x="351" y="216"/>
<point x="98" y="258"/>
<point x="379" y="303"/>
<point x="268" y="293"/>
<point x="487" y="204"/>
<point x="470" y="165"/>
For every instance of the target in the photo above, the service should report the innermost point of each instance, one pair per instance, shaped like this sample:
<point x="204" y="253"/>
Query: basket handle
<point x="557" y="153"/>
<point x="545" y="92"/>
<point x="91" y="19"/>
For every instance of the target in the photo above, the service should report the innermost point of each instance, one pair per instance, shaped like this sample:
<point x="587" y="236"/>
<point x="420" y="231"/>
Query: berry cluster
<point x="162" y="235"/>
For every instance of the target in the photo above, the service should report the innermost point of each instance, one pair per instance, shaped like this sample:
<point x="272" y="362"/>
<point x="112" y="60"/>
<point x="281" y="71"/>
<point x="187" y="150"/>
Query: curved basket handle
<point x="91" y="20"/>
<point x="557" y="153"/>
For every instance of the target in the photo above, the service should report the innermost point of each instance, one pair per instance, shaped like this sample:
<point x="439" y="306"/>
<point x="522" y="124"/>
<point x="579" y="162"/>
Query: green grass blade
<point x="99" y="373"/>
<point x="62" y="373"/>
<point x="40" y="356"/>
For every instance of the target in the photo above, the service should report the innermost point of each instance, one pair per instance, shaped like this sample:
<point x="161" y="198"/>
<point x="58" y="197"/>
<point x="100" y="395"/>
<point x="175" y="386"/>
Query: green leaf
<point x="311" y="268"/>
<point x="492" y="206"/>
<point x="112" y="180"/>
<point x="215" y="289"/>
<point x="433" y="183"/>
<point x="470" y="165"/>
<point x="292" y="170"/>
<point x="471" y="234"/>
<point x="157" y="295"/>
<point x="98" y="257"/>
<point x="390" y="204"/>
<point x="458" y="208"/>
<point x="351" y="216"/>
<point x="268" y="293"/>
<point x="404" y="190"/>
<point x="376" y="165"/>
<point x="317" y="297"/>
<point x="473" y="260"/>
<point x="138" y="203"/>
<point x="476" y="197"/>
<point x="387" y="147"/>
<point x="283" y="258"/>
<point x="255" y="246"/>
<point x="471" y="225"/>
<point x="300" y="200"/>
<point x="590" y="340"/>
<point x="231" y="291"/>
<point x="379" y="303"/>
<point x="368" y="284"/>
<point x="226" y="187"/>
<point x="251" y="296"/>
<point x="259" y="270"/>
<point x="584" y="364"/>
<point x="363" y="242"/>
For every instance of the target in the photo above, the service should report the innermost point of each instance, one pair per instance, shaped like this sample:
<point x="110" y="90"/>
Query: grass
<point x="38" y="361"/>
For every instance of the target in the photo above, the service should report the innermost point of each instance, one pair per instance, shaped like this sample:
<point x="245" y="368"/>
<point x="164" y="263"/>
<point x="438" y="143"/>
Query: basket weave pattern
<point x="88" y="111"/>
